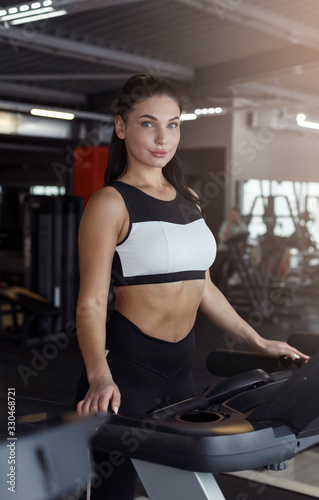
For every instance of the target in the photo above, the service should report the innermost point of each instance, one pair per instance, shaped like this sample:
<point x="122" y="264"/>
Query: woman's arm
<point x="99" y="231"/>
<point x="218" y="310"/>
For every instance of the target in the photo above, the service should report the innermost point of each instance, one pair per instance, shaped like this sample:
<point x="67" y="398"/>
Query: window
<point x="280" y="206"/>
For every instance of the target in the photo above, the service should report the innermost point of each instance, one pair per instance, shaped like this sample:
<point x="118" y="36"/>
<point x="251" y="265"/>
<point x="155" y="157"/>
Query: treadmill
<point x="247" y="421"/>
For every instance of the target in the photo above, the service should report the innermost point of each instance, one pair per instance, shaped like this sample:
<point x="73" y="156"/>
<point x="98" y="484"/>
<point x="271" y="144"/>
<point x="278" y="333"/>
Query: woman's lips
<point x="159" y="153"/>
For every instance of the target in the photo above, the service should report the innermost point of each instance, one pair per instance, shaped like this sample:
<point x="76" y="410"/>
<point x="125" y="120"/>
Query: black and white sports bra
<point x="167" y="240"/>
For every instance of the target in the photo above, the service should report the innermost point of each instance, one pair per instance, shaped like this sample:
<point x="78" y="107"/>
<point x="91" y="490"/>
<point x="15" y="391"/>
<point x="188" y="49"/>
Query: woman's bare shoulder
<point x="106" y="195"/>
<point x="106" y="200"/>
<point x="105" y="208"/>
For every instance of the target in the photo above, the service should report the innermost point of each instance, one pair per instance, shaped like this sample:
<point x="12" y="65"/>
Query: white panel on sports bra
<point x="156" y="247"/>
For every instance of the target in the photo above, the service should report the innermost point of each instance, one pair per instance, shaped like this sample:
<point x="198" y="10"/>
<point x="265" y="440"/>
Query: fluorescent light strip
<point x="188" y="116"/>
<point x="208" y="111"/>
<point x="306" y="124"/>
<point x="201" y="112"/>
<point x="27" y="14"/>
<point x="39" y="18"/>
<point x="303" y="122"/>
<point x="47" y="113"/>
<point x="25" y="8"/>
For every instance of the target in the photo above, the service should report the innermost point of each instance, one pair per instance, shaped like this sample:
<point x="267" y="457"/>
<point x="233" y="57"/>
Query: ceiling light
<point x="301" y="117"/>
<point x="48" y="113"/>
<point x="306" y="124"/>
<point x="40" y="17"/>
<point x="26" y="14"/>
<point x="187" y="116"/>
<point x="302" y="121"/>
<point x="208" y="111"/>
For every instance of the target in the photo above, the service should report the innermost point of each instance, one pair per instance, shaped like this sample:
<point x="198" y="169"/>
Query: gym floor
<point x="38" y="370"/>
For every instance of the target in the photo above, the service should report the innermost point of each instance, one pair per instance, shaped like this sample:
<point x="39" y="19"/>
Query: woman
<point x="145" y="231"/>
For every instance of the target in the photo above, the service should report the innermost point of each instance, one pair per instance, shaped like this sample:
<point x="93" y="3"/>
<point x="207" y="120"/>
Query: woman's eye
<point x="173" y="125"/>
<point x="147" y="124"/>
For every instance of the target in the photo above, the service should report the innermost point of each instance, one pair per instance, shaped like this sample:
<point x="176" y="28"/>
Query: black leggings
<point x="150" y="373"/>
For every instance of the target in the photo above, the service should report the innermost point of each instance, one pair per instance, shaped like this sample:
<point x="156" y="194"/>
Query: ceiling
<point x="262" y="51"/>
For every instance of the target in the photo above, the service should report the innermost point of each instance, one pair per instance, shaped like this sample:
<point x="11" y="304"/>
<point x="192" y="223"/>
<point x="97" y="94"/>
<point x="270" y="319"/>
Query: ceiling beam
<point x="273" y="64"/>
<point x="262" y="90"/>
<point x="22" y="91"/>
<point x="260" y="19"/>
<point x="64" y="76"/>
<point x="63" y="47"/>
<point x="74" y="6"/>
<point x="21" y="107"/>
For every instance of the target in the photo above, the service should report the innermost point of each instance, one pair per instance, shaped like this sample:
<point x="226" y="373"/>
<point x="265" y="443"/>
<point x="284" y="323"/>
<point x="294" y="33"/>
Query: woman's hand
<point x="102" y="393"/>
<point x="276" y="349"/>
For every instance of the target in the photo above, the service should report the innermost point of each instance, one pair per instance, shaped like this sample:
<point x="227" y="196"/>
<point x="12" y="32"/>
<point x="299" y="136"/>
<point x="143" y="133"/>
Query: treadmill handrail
<point x="216" y="393"/>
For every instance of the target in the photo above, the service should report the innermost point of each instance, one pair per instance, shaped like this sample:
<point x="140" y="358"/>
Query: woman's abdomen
<point x="166" y="311"/>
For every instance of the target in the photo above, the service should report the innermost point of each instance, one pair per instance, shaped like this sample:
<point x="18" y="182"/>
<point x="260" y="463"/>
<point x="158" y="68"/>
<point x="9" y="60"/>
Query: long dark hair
<point x="135" y="90"/>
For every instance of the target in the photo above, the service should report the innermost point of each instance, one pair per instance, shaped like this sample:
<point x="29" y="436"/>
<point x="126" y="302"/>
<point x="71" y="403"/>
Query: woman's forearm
<point x="103" y="393"/>
<point x="91" y="338"/>
<point x="218" y="310"/>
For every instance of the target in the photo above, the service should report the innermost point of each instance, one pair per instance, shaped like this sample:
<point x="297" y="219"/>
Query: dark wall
<point x="27" y="162"/>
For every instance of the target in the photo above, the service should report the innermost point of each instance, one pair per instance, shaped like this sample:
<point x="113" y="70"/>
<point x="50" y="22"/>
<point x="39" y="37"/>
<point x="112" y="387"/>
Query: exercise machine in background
<point x="278" y="257"/>
<point x="47" y="301"/>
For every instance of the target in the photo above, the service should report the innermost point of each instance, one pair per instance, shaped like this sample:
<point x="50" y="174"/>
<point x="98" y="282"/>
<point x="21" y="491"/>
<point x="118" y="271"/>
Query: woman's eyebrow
<point x="155" y="119"/>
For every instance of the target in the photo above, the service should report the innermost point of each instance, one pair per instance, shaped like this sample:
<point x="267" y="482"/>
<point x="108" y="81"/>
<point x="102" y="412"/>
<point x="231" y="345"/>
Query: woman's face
<point x="151" y="133"/>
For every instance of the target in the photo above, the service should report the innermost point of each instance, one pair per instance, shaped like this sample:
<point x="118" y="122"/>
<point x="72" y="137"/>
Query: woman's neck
<point x="145" y="178"/>
<point x="154" y="184"/>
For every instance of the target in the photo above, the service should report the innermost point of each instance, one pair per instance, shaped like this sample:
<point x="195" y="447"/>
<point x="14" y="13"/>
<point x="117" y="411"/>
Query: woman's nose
<point x="161" y="137"/>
